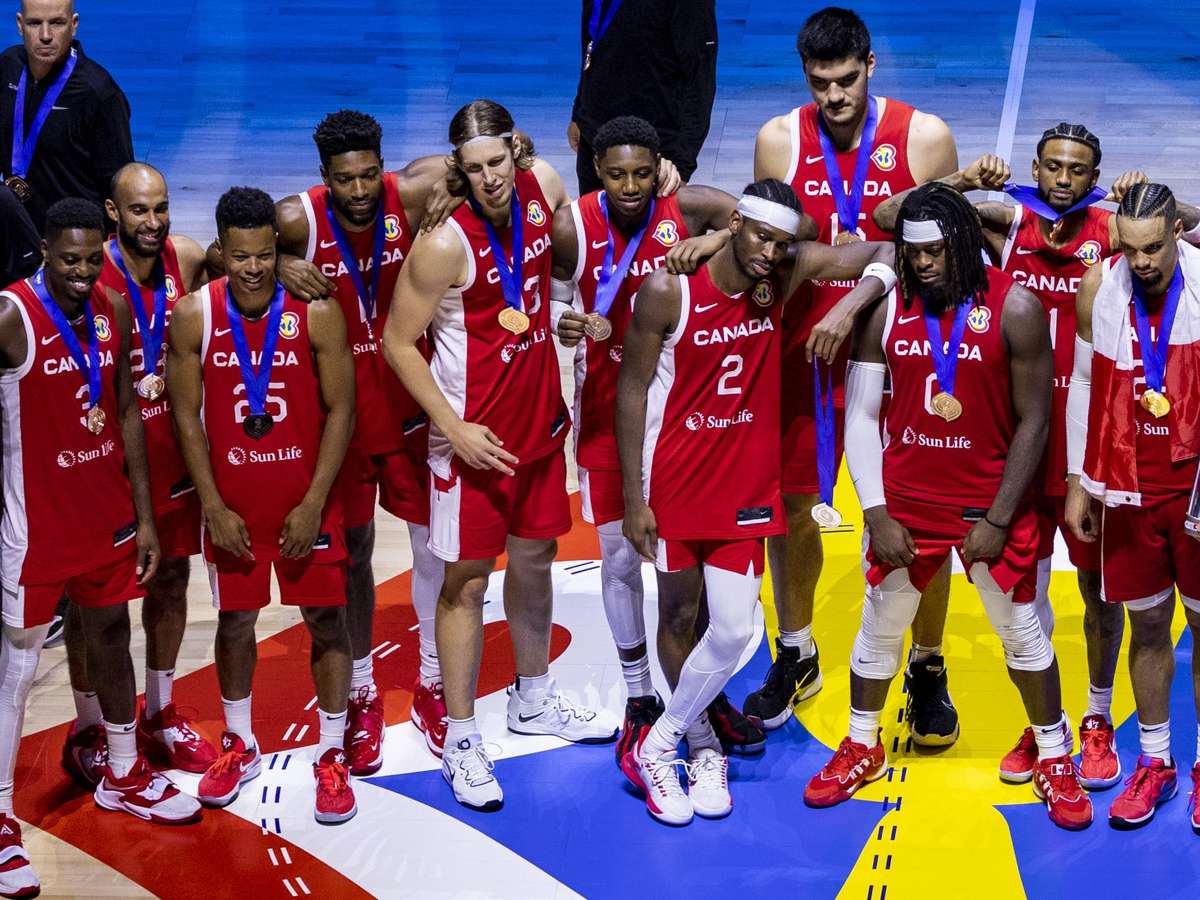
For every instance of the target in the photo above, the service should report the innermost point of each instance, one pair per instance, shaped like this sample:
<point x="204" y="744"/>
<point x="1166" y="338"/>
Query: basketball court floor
<point x="227" y="92"/>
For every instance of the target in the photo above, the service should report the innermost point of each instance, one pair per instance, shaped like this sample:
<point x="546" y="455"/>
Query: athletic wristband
<point x="562" y="291"/>
<point x="883" y="272"/>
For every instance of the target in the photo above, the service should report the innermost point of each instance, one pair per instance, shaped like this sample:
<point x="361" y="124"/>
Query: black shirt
<point x="85" y="140"/>
<point x="658" y="60"/>
<point x="20" y="244"/>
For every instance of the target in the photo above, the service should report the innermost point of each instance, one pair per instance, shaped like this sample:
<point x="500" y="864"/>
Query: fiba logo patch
<point x="979" y="318"/>
<point x="884" y="157"/>
<point x="535" y="213"/>
<point x="614" y="353"/>
<point x="909" y="437"/>
<point x="1088" y="253"/>
<point x="289" y="325"/>
<point x="694" y="422"/>
<point x="102" y="330"/>
<point x="172" y="290"/>
<point x="236" y="456"/>
<point x="667" y="233"/>
<point x="391" y="228"/>
<point x="763" y="295"/>
<point x="66" y="459"/>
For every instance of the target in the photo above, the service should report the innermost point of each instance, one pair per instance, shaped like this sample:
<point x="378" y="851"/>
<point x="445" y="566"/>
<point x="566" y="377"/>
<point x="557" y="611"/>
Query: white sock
<point x="333" y="731"/>
<point x="362" y="675"/>
<point x="459" y="730"/>
<point x="664" y="736"/>
<point x="87" y="709"/>
<point x="864" y="726"/>
<point x="701" y="736"/>
<point x="533" y="687"/>
<point x="918" y="653"/>
<point x="122" y="748"/>
<point x="6" y="798"/>
<point x="637" y="676"/>
<point x="801" y="639"/>
<point x="1052" y="740"/>
<point x="237" y="720"/>
<point x="159" y="691"/>
<point x="428" y="572"/>
<point x="1198" y="743"/>
<point x="1100" y="702"/>
<point x="1156" y="740"/>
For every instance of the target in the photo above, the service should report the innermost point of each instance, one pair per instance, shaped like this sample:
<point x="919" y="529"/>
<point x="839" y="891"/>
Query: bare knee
<point x="466" y="583"/>
<point x="236" y="627"/>
<point x="1151" y="628"/>
<point x="326" y="625"/>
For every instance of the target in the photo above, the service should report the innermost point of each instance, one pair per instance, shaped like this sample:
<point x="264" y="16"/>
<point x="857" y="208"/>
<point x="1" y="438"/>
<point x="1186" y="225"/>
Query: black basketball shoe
<point x="931" y="715"/>
<point x="640" y="714"/>
<point x="789" y="680"/>
<point x="737" y="734"/>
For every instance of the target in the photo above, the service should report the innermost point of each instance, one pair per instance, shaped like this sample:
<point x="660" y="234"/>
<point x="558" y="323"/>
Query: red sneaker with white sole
<point x="17" y="878"/>
<point x="1056" y="781"/>
<point x="146" y="794"/>
<point x="1018" y="764"/>
<point x="335" y="797"/>
<point x="236" y="765"/>
<point x="1194" y="800"/>
<point x="1099" y="765"/>
<point x="85" y="754"/>
<point x="429" y="715"/>
<point x="852" y="766"/>
<point x="170" y="737"/>
<point x="364" y="732"/>
<point x="1151" y="785"/>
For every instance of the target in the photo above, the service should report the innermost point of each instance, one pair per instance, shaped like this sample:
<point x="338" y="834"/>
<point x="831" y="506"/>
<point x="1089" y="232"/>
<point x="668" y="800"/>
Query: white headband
<point x="769" y="213"/>
<point x="922" y="232"/>
<point x="504" y="135"/>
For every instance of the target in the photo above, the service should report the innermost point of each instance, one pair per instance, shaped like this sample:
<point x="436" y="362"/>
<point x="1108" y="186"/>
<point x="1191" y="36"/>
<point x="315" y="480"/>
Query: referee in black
<point x="656" y="59"/>
<point x="75" y="128"/>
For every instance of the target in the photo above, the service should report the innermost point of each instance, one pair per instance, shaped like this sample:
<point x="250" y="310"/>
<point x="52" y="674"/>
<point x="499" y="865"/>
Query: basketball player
<point x="697" y="428"/>
<point x="968" y="353"/>
<point x="1131" y="443"/>
<point x="605" y="244"/>
<point x="902" y="147"/>
<point x="262" y="387"/>
<point x="151" y="269"/>
<point x="1048" y="244"/>
<point x="74" y="454"/>
<point x="481" y="284"/>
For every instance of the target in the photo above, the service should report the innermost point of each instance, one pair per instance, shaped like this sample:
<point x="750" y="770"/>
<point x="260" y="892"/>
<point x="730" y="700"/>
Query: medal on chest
<point x="513" y="316"/>
<point x="259" y="422"/>
<point x="367" y="299"/>
<point x="611" y="276"/>
<point x="151" y="385"/>
<point x="24" y="140"/>
<point x="944" y="404"/>
<point x="87" y="362"/>
<point x="849" y="205"/>
<point x="1154" y="353"/>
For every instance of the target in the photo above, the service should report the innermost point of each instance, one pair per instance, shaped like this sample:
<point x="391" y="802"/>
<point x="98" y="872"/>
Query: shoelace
<point x="1062" y="778"/>
<point x="571" y="711"/>
<point x="177" y="719"/>
<point x="844" y="760"/>
<point x="665" y="777"/>
<point x="1137" y="781"/>
<point x="1094" y="741"/>
<point x="333" y="778"/>
<point x="476" y="766"/>
<point x="707" y="770"/>
<point x="225" y="762"/>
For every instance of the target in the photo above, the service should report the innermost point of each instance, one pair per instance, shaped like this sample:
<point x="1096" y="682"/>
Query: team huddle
<point x="993" y="373"/>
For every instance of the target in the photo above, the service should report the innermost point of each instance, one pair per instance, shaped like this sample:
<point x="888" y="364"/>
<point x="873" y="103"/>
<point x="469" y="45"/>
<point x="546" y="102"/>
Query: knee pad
<point x="888" y="611"/>
<point x="1026" y="646"/>
<point x="732" y="601"/>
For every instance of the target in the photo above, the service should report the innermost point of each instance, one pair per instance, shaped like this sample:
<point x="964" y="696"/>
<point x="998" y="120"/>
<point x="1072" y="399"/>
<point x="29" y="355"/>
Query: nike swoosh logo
<point x="64" y="108"/>
<point x="325" y="245"/>
<point x="524" y="718"/>
<point x="809" y="160"/>
<point x="484" y="252"/>
<point x="904" y="320"/>
<point x="1024" y="251"/>
<point x="597" y="245"/>
<point x="704" y="309"/>
<point x="47" y="340"/>
<point x="220" y="332"/>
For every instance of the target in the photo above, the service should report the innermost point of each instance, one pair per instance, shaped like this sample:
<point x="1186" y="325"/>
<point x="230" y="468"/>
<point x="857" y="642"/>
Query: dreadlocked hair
<point x="1065" y="131"/>
<point x="1149" y="201"/>
<point x="966" y="275"/>
<point x="776" y="191"/>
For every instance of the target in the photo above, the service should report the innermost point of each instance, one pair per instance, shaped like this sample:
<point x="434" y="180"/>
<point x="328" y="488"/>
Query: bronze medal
<point x="826" y="516"/>
<point x="95" y="420"/>
<point x="597" y="328"/>
<point x="513" y="320"/>
<point x="846" y="237"/>
<point x="258" y="426"/>
<point x="20" y="188"/>
<point x="151" y="387"/>
<point x="947" y="406"/>
<point x="1155" y="403"/>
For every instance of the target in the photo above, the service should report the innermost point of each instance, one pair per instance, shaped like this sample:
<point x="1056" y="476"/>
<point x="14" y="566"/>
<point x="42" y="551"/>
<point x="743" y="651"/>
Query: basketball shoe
<point x="85" y="754"/>
<point x="469" y="770"/>
<point x="236" y="765"/>
<point x="640" y="713"/>
<point x="17" y="878"/>
<point x="1194" y="800"/>
<point x="1056" y="782"/>
<point x="789" y="680"/>
<point x="708" y="784"/>
<point x="335" y="796"/>
<point x="1099" y="765"/>
<point x="429" y="715"/>
<point x="1151" y="785"/>
<point x="553" y="714"/>
<point x="852" y="766"/>
<point x="932" y="718"/>
<point x="658" y="780"/>
<point x="364" y="733"/>
<point x="170" y="737"/>
<point x="146" y="794"/>
<point x="1017" y="765"/>
<point x="739" y="736"/>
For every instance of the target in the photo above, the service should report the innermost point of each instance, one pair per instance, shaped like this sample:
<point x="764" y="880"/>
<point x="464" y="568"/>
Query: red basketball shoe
<point x="1194" y="800"/>
<point x="17" y="878"/>
<point x="1099" y="765"/>
<point x="85" y="754"/>
<point x="429" y="715"/>
<point x="1056" y="782"/>
<point x="169" y="736"/>
<point x="335" y="797"/>
<point x="1151" y="785"/>
<point x="235" y="766"/>
<point x="852" y="766"/>
<point x="146" y="794"/>
<point x="364" y="732"/>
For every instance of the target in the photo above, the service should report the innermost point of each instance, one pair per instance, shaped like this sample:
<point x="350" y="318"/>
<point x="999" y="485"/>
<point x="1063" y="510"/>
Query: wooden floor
<point x="227" y="92"/>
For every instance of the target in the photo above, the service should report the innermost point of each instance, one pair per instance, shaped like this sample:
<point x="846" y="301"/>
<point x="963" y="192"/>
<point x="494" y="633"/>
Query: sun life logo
<point x="103" y="332"/>
<point x="535" y="213"/>
<point x="884" y="157"/>
<point x="236" y="456"/>
<point x="66" y="459"/>
<point x="289" y="325"/>
<point x="763" y="295"/>
<point x="910" y="436"/>
<point x="391" y="227"/>
<point x="614" y="353"/>
<point x="508" y="352"/>
<point x="1088" y="253"/>
<point x="979" y="318"/>
<point x="667" y="233"/>
<point x="694" y="422"/>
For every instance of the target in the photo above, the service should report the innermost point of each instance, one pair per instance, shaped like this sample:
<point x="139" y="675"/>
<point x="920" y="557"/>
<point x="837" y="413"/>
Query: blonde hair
<point x="483" y="119"/>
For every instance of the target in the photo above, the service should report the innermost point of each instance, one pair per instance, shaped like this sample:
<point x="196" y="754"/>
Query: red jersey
<point x="384" y="409"/>
<point x="1157" y="474"/>
<point x="888" y="174"/>
<point x="710" y="464"/>
<point x="927" y="459"/>
<point x="264" y="480"/>
<point x="598" y="362"/>
<point x="68" y="503"/>
<point x="508" y="382"/>
<point x="1053" y="274"/>
<point x="169" y="480"/>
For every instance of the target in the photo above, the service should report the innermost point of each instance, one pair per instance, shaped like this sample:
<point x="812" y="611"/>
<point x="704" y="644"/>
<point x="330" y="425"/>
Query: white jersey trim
<point x="311" y="214"/>
<point x="580" y="240"/>
<point x="468" y="252"/>
<point x="14" y="531"/>
<point x="448" y="331"/>
<point x="793" y="119"/>
<point x="22" y="370"/>
<point x="685" y="308"/>
<point x="1010" y="241"/>
<point x="659" y="392"/>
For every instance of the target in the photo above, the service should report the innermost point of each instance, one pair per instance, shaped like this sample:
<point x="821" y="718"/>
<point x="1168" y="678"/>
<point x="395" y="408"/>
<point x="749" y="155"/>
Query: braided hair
<point x="966" y="274"/>
<point x="1149" y="201"/>
<point x="776" y="191"/>
<point x="1065" y="131"/>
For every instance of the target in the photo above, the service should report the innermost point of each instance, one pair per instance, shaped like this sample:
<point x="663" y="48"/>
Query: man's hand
<point x="300" y="530"/>
<point x="641" y="530"/>
<point x="227" y="530"/>
<point x="1082" y="512"/>
<point x="573" y="136"/>
<point x="988" y="173"/>
<point x="148" y="553"/>
<point x="890" y="541"/>
<point x="685" y="257"/>
<point x="828" y="334"/>
<point x="479" y="448"/>
<point x="1124" y="183"/>
<point x="440" y="206"/>
<point x="669" y="179"/>
<point x="570" y="327"/>
<point x="984" y="541"/>
<point x="303" y="280"/>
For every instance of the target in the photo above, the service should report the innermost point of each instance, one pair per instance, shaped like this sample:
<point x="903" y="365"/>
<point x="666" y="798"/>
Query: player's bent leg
<point x="739" y="734"/>
<point x="239" y="760"/>
<point x="331" y="652"/>
<point x="932" y="718"/>
<point x="365" y="719"/>
<point x="164" y="733"/>
<point x="429" y="699"/>
<point x="1103" y="629"/>
<point x="1191" y="606"/>
<point x="875" y="659"/>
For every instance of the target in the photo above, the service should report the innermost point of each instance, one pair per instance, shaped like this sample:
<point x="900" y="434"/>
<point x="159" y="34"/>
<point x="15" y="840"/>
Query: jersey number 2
<point x="732" y="368"/>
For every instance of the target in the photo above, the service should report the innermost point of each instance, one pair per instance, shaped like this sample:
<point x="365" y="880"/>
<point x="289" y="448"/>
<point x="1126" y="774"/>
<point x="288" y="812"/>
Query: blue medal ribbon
<point x="256" y="382"/>
<point x="24" y="144"/>
<point x="611" y="277"/>
<point x="602" y="16"/>
<point x="1029" y="197"/>
<point x="848" y="207"/>
<point x="510" y="276"/>
<point x="1154" y="355"/>
<point x="89" y="363"/>
<point x="825" y="431"/>
<point x="151" y="329"/>
<point x="367" y="299"/>
<point x="946" y="364"/>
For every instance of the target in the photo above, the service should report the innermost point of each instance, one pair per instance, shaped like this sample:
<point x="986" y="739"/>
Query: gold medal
<point x="1155" y="403"/>
<point x="846" y="237"/>
<point x="513" y="320"/>
<point x="151" y="387"/>
<point x="947" y="406"/>
<point x="826" y="516"/>
<point x="597" y="328"/>
<point x="20" y="187"/>
<point x="95" y="420"/>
